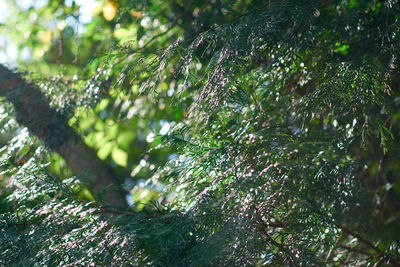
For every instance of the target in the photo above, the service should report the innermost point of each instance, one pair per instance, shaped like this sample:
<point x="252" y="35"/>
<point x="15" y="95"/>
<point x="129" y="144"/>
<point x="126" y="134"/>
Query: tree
<point x="52" y="127"/>
<point x="283" y="148"/>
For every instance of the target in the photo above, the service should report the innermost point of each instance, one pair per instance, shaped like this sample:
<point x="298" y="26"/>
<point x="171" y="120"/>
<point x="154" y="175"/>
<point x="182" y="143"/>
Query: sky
<point x="8" y="51"/>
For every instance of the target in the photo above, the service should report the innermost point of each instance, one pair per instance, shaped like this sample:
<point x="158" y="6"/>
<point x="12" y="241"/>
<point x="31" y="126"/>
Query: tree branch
<point x="34" y="112"/>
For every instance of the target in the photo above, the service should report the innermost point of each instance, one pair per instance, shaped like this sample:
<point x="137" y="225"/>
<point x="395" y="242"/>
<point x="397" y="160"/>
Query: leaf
<point x="388" y="131"/>
<point x="103" y="104"/>
<point x="125" y="138"/>
<point x="110" y="10"/>
<point x="384" y="138"/>
<point x="105" y="150"/>
<point x="112" y="131"/>
<point x="120" y="157"/>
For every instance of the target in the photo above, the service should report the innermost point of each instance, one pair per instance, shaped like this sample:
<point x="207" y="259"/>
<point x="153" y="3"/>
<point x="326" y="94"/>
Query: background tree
<point x="252" y="132"/>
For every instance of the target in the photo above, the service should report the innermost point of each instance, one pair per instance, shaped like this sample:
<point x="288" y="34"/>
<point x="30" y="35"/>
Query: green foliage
<point x="283" y="147"/>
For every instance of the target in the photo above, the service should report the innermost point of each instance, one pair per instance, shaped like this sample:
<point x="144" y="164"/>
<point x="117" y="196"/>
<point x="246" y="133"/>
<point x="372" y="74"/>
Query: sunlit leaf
<point x="105" y="150"/>
<point x="119" y="156"/>
<point x="110" y="10"/>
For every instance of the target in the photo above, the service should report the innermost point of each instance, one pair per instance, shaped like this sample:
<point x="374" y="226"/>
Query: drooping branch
<point x="34" y="111"/>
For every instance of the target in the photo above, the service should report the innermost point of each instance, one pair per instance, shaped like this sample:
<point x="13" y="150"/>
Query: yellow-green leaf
<point x="119" y="156"/>
<point x="105" y="150"/>
<point x="112" y="131"/>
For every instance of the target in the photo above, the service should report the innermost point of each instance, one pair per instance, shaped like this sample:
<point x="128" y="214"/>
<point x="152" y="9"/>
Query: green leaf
<point x="125" y="138"/>
<point x="112" y="131"/>
<point x="105" y="150"/>
<point x="103" y="104"/>
<point x="120" y="157"/>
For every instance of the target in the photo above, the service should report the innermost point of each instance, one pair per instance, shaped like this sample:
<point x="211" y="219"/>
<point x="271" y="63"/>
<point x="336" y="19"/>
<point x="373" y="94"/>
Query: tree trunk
<point x="34" y="111"/>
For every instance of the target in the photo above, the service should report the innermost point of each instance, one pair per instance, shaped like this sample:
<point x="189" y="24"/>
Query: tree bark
<point x="34" y="112"/>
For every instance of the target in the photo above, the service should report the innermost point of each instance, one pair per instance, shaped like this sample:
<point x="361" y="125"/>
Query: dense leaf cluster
<point x="284" y="151"/>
